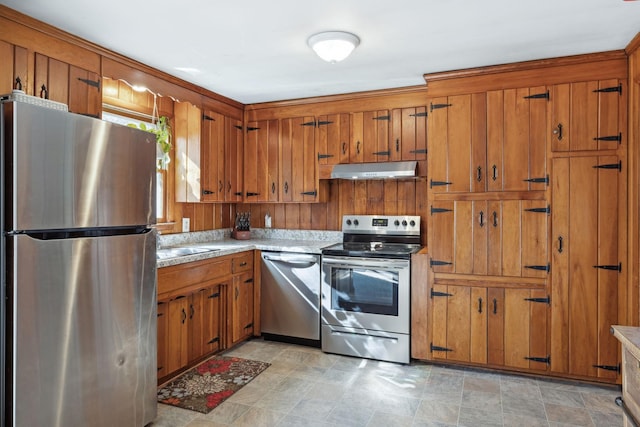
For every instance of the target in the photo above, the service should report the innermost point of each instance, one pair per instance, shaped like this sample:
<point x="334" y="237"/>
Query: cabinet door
<point x="459" y="323"/>
<point x="440" y="236"/>
<point x="299" y="160"/>
<point x="516" y="139"/>
<point x="188" y="119"/>
<point x="525" y="326"/>
<point x="261" y="161"/>
<point x="14" y="73"/>
<point x="457" y="143"/>
<point x="586" y="265"/>
<point x="213" y="157"/>
<point x="178" y="334"/>
<point x="163" y="331"/>
<point x="234" y="156"/>
<point x="71" y="85"/>
<point x="204" y="318"/>
<point x="409" y="134"/>
<point x="587" y="115"/>
<point x="242" y="307"/>
<point x="370" y="136"/>
<point x="332" y="138"/>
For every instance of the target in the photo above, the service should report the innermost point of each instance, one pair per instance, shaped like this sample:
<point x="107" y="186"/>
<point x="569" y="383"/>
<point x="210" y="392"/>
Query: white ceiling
<point x="255" y="50"/>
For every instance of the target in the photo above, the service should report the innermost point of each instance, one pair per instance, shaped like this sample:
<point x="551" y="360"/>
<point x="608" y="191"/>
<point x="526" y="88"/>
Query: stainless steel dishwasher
<point x="290" y="297"/>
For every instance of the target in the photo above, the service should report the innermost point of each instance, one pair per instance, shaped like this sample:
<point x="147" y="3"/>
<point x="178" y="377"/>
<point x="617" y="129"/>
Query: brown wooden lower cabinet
<point x="502" y="327"/>
<point x="203" y="307"/>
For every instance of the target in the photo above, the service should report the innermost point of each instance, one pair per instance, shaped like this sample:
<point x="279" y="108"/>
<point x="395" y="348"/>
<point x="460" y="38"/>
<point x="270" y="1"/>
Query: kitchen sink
<point x="178" y="252"/>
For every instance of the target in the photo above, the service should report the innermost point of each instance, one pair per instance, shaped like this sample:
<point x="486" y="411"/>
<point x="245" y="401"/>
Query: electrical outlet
<point x="186" y="222"/>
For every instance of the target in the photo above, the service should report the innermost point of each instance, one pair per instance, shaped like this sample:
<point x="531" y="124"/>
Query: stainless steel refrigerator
<point x="79" y="272"/>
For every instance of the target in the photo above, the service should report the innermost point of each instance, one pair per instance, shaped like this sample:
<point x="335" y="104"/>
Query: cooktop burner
<point x="378" y="236"/>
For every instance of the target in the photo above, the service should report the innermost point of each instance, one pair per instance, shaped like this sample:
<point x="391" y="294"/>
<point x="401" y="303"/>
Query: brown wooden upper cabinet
<point x="261" y="158"/>
<point x="213" y="172"/>
<point x="332" y="138"/>
<point x="370" y="136"/>
<point x="588" y="116"/>
<point x="187" y="130"/>
<point x="409" y="135"/>
<point x="234" y="159"/>
<point x="298" y="164"/>
<point x="493" y="141"/>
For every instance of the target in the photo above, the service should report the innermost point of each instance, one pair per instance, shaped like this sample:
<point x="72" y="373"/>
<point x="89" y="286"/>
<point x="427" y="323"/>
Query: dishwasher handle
<point x="298" y="260"/>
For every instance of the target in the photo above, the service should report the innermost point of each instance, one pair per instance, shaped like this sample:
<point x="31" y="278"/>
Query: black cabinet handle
<point x="344" y="148"/>
<point x="495" y="306"/>
<point x="286" y="187"/>
<point x="495" y="219"/>
<point x="358" y="147"/>
<point x="479" y="177"/>
<point x="560" y="242"/>
<point x="220" y="186"/>
<point x="481" y="219"/>
<point x="192" y="311"/>
<point x="184" y="316"/>
<point x="479" y="305"/>
<point x="495" y="172"/>
<point x="558" y="131"/>
<point x="273" y="188"/>
<point x="397" y="144"/>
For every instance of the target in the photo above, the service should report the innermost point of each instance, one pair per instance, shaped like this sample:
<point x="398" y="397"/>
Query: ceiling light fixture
<point x="333" y="46"/>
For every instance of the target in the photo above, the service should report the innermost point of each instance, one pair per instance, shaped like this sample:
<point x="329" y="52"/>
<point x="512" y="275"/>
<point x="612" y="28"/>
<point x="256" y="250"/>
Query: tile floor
<point x="306" y="387"/>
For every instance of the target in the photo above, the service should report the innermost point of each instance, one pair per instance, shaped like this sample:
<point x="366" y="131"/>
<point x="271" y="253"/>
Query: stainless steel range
<point x="366" y="287"/>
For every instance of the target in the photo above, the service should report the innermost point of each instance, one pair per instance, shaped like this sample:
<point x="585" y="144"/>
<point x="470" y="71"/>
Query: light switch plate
<point x="186" y="222"/>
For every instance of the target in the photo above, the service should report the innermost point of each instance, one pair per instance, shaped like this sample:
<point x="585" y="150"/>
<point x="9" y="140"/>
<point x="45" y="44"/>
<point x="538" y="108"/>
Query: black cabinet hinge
<point x="249" y="194"/>
<point x="538" y="180"/>
<point x="544" y="95"/>
<point x="419" y="151"/>
<point x="313" y="193"/>
<point x="614" y="368"/>
<point x="433" y="106"/>
<point x="610" y="166"/>
<point x="439" y="210"/>
<point x="617" y="268"/>
<point x="248" y="325"/>
<point x="546" y="210"/>
<point x="238" y="193"/>
<point x="546" y="300"/>
<point x="214" y="340"/>
<point x="617" y="137"/>
<point x="611" y="89"/>
<point x="439" y="294"/>
<point x="207" y="192"/>
<point x="238" y="127"/>
<point x="433" y="183"/>
<point x="205" y="117"/>
<point x="382" y="153"/>
<point x="435" y="263"/>
<point x="546" y="360"/>
<point x="312" y="124"/>
<point x="438" y="348"/>
<point x="94" y="83"/>
<point x="423" y="114"/>
<point x="546" y="268"/>
<point x="324" y="156"/>
<point x="216" y="295"/>
<point x="382" y="118"/>
<point x="249" y="280"/>
<point x="323" y="122"/>
<point x="250" y="128"/>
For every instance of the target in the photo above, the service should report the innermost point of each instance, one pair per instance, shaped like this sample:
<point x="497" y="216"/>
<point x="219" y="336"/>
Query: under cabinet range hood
<point x="375" y="170"/>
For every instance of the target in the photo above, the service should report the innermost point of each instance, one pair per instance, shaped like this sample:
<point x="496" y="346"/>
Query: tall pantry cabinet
<point x="527" y="217"/>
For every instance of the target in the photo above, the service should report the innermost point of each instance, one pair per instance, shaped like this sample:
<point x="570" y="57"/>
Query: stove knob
<point x="355" y="222"/>
<point x="404" y="222"/>
<point x="396" y="223"/>
<point x="412" y="223"/>
<point x="348" y="222"/>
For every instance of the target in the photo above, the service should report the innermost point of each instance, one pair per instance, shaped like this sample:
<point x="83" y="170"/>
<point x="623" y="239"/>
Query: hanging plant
<point x="162" y="131"/>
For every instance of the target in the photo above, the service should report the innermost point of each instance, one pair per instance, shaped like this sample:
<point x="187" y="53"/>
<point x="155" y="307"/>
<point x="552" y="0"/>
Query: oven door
<point x="366" y="293"/>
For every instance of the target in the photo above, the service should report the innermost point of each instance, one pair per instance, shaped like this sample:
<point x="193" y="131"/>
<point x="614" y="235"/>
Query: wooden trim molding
<point x="633" y="45"/>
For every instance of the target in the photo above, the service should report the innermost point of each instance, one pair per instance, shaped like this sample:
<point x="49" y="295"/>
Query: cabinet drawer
<point x="242" y="262"/>
<point x="192" y="273"/>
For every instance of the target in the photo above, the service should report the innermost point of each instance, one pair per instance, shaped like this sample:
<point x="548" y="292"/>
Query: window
<point x="161" y="175"/>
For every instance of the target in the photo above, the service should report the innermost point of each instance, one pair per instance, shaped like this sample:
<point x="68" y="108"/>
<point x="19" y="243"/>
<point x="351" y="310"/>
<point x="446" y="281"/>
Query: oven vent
<point x="383" y="170"/>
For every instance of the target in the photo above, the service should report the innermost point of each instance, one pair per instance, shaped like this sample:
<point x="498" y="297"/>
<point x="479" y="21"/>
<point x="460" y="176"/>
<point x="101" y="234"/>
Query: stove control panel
<point x="381" y="224"/>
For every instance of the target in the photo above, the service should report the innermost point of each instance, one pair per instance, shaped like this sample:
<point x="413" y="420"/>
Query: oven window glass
<point x="365" y="290"/>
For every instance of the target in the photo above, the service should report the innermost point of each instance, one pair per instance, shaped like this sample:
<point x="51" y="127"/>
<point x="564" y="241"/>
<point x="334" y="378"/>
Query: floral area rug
<point x="205" y="386"/>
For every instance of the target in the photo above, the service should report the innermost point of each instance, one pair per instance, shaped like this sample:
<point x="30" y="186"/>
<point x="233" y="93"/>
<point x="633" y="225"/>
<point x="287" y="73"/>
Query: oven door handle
<point x="359" y="263"/>
<point x="334" y="332"/>
<point x="307" y="261"/>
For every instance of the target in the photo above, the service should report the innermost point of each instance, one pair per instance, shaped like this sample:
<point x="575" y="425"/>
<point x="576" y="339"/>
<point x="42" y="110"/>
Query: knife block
<point x="240" y="234"/>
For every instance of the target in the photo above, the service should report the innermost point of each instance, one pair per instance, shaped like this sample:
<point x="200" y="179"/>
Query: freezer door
<point x="83" y="331"/>
<point x="72" y="171"/>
